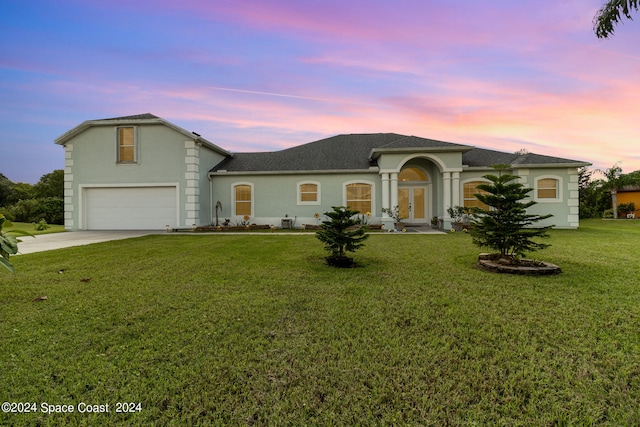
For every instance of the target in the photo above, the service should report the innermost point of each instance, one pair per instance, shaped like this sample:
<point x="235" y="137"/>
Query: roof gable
<point x="135" y="120"/>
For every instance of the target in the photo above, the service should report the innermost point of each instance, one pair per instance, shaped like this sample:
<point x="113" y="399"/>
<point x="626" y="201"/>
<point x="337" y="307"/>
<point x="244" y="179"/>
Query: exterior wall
<point x="565" y="209"/>
<point x="275" y="197"/>
<point x="198" y="207"/>
<point x="163" y="157"/>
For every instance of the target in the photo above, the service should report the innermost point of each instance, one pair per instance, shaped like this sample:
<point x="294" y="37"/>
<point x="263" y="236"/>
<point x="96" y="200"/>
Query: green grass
<point x="27" y="226"/>
<point x="256" y="330"/>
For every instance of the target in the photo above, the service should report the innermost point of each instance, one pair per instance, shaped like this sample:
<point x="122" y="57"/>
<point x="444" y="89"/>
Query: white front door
<point x="413" y="204"/>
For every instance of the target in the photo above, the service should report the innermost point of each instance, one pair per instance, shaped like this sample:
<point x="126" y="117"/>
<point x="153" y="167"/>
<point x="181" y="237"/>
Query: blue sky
<point x="261" y="75"/>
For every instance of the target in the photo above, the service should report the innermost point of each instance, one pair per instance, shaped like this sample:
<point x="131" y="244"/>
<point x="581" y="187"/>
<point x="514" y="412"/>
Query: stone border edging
<point x="488" y="262"/>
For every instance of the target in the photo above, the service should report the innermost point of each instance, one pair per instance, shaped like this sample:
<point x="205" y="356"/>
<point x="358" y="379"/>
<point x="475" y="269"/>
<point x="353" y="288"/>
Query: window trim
<point x="233" y="197"/>
<point x="316" y="202"/>
<point x="361" y="181"/>
<point x="559" y="195"/>
<point x="135" y="146"/>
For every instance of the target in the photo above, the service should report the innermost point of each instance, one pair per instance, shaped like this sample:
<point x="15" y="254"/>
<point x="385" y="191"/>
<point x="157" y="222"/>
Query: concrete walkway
<point x="47" y="242"/>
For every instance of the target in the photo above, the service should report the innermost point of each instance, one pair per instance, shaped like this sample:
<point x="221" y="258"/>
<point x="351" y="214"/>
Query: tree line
<point x="23" y="202"/>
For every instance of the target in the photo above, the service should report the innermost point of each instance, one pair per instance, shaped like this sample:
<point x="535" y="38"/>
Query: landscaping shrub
<point x="626" y="208"/>
<point x="506" y="226"/>
<point x="51" y="209"/>
<point x="341" y="233"/>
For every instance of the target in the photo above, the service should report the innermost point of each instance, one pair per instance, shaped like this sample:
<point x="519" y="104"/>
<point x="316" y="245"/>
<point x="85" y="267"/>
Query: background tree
<point x="610" y="14"/>
<point x="615" y="180"/>
<point x="341" y="233"/>
<point x="594" y="200"/>
<point x="23" y="202"/>
<point x="587" y="193"/>
<point x="507" y="226"/>
<point x="20" y="191"/>
<point x="50" y="185"/>
<point x="5" y="189"/>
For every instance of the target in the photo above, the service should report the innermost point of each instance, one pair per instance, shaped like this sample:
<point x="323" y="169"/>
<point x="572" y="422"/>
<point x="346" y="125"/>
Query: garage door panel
<point x="130" y="208"/>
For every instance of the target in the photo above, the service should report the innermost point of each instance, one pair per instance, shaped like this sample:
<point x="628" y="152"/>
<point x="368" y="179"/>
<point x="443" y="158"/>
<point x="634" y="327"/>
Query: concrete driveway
<point x="47" y="242"/>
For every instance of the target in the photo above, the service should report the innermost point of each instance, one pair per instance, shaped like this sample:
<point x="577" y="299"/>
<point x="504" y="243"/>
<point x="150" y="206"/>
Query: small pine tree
<point x="506" y="226"/>
<point x="341" y="233"/>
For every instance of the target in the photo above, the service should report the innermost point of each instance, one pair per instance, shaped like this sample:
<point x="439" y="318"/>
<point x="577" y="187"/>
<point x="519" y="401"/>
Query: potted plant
<point x="457" y="215"/>
<point x="395" y="214"/>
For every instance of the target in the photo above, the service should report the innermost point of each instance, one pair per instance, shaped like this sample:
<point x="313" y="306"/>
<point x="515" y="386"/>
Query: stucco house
<point x="143" y="172"/>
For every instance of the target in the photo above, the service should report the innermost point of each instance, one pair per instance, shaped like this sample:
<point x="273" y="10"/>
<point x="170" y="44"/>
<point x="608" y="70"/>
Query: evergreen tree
<point x="341" y="233"/>
<point x="506" y="226"/>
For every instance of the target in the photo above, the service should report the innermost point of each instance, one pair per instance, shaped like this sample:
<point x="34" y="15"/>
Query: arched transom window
<point x="412" y="174"/>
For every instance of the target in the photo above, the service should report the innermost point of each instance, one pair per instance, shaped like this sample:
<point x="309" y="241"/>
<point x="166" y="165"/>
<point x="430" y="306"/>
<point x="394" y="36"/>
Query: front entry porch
<point x="421" y="191"/>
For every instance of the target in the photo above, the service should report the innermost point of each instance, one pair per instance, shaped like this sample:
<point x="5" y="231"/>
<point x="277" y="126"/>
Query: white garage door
<point x="130" y="208"/>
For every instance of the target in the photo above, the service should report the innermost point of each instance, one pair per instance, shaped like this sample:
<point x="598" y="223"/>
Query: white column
<point x="446" y="190"/>
<point x="455" y="193"/>
<point x="385" y="194"/>
<point x="394" y="190"/>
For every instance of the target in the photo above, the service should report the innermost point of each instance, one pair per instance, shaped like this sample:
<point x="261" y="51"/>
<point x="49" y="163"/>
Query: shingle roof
<point x="341" y="152"/>
<point x="481" y="157"/>
<point x="354" y="151"/>
<point x="145" y="116"/>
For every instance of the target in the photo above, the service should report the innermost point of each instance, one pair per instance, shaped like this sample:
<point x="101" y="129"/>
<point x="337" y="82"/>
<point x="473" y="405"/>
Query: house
<point x="143" y="172"/>
<point x="629" y="194"/>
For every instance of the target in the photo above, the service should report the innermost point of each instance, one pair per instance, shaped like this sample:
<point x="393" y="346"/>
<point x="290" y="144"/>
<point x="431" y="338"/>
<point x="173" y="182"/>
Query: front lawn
<point x="31" y="228"/>
<point x="257" y="330"/>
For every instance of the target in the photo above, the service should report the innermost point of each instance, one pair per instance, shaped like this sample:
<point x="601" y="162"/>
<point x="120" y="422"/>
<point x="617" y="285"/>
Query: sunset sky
<point x="262" y="75"/>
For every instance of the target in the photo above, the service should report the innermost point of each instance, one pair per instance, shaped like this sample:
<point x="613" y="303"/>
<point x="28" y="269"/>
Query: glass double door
<point x="412" y="203"/>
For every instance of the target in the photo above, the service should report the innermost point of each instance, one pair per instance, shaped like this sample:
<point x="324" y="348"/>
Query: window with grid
<point x="470" y="189"/>
<point x="126" y="145"/>
<point x="547" y="188"/>
<point x="359" y="197"/>
<point x="308" y="193"/>
<point x="243" y="199"/>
